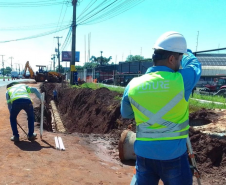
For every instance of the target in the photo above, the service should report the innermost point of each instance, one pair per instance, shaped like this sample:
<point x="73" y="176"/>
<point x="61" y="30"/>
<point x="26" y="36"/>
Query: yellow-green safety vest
<point x="18" y="91"/>
<point x="160" y="109"/>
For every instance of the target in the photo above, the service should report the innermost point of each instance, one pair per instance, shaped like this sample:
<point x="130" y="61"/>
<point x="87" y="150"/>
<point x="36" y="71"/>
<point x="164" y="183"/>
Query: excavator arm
<point x="28" y="67"/>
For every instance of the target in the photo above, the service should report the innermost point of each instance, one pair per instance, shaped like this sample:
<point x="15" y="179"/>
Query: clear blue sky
<point x="126" y="33"/>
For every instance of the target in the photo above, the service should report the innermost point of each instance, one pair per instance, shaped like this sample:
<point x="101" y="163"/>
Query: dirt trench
<point x="88" y="111"/>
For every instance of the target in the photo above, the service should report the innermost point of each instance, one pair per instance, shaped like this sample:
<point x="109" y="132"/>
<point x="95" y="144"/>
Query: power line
<point x="32" y="4"/>
<point x="36" y="36"/>
<point x="101" y="10"/>
<point x="110" y="15"/>
<point x="111" y="10"/>
<point x="91" y="11"/>
<point x="88" y="6"/>
<point x="65" y="44"/>
<point x="32" y="27"/>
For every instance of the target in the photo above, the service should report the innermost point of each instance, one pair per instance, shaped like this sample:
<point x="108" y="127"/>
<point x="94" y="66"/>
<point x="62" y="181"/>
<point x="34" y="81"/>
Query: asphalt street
<point x="4" y="83"/>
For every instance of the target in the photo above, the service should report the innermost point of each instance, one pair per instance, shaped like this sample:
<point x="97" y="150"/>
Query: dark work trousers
<point x="17" y="106"/>
<point x="171" y="172"/>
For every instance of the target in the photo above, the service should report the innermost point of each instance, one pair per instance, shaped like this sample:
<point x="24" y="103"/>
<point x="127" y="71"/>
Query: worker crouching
<point x="18" y="98"/>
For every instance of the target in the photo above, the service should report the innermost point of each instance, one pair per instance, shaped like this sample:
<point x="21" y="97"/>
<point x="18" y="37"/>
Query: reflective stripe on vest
<point x="17" y="92"/>
<point x="143" y="132"/>
<point x="159" y="105"/>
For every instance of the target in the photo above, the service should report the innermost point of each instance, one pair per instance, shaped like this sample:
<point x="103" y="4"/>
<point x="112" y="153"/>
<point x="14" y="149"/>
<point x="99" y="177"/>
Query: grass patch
<point x="118" y="98"/>
<point x="195" y="105"/>
<point x="220" y="99"/>
<point x="97" y="86"/>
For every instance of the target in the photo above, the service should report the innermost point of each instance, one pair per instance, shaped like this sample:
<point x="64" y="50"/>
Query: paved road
<point x="4" y="83"/>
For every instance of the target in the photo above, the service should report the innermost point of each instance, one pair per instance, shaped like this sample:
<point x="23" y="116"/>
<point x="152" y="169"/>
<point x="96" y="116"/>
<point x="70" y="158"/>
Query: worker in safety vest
<point x="18" y="98"/>
<point x="158" y="101"/>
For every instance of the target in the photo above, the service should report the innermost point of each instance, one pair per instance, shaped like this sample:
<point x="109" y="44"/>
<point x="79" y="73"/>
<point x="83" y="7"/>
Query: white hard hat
<point x="171" y="41"/>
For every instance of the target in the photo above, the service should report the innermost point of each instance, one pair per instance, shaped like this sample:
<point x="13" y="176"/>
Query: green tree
<point x="132" y="58"/>
<point x="8" y="70"/>
<point x="79" y="67"/>
<point x="90" y="65"/>
<point x="100" y="60"/>
<point x="61" y="69"/>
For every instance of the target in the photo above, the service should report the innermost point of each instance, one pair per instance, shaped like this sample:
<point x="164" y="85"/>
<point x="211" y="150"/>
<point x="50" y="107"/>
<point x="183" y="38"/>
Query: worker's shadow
<point x="129" y="162"/>
<point x="32" y="145"/>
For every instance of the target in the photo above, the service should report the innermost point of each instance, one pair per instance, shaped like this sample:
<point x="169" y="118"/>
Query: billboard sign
<point x="66" y="56"/>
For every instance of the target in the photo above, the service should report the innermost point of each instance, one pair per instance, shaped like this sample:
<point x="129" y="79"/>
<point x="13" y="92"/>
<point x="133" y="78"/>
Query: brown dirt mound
<point x="86" y="110"/>
<point x="90" y="111"/>
<point x="210" y="155"/>
<point x="202" y="117"/>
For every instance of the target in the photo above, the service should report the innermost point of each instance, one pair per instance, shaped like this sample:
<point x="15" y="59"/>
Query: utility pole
<point x="16" y="67"/>
<point x="2" y="65"/>
<point x="73" y="45"/>
<point x="101" y="58"/>
<point x="11" y="62"/>
<point x="51" y="65"/>
<point x="197" y="41"/>
<point x="53" y="61"/>
<point x="58" y="53"/>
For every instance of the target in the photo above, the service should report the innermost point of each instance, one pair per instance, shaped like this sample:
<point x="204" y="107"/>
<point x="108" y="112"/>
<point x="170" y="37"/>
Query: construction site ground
<point x="93" y="123"/>
<point x="38" y="162"/>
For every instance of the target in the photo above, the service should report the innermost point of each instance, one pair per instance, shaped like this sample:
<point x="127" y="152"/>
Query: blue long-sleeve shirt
<point x="32" y="90"/>
<point x="170" y="149"/>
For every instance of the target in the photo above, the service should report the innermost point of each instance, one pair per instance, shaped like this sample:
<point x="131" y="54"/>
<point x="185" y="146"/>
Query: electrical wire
<point x="101" y="10"/>
<point x="37" y="27"/>
<point x="95" y="15"/>
<point x="113" y="9"/>
<point x="66" y="39"/>
<point x="88" y="6"/>
<point x="93" y="10"/>
<point x="113" y="13"/>
<point x="63" y="17"/>
<point x="36" y="36"/>
<point x="32" y="4"/>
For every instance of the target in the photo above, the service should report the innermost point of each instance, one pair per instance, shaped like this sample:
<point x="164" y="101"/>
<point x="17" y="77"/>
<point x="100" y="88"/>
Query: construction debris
<point x="59" y="143"/>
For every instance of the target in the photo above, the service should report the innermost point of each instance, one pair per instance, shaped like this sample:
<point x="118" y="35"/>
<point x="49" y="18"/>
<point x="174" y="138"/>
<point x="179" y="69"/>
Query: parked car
<point x="108" y="81"/>
<point x="14" y="74"/>
<point x="205" y="89"/>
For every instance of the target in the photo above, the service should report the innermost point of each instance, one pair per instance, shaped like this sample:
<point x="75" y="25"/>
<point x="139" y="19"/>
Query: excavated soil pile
<point x="90" y="111"/>
<point x="202" y="117"/>
<point x="47" y="119"/>
<point x="86" y="110"/>
<point x="210" y="156"/>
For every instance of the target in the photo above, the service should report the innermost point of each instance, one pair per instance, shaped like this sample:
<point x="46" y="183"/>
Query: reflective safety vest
<point x="160" y="109"/>
<point x="19" y="91"/>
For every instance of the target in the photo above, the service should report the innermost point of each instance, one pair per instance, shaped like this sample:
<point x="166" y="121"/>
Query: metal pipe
<point x="21" y="127"/>
<point x="192" y="158"/>
<point x="42" y="110"/>
<point x="209" y="50"/>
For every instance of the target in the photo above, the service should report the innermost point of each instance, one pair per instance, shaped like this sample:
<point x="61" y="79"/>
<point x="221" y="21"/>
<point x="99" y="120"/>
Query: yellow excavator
<point x="42" y="75"/>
